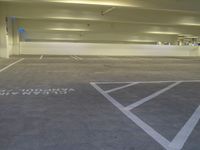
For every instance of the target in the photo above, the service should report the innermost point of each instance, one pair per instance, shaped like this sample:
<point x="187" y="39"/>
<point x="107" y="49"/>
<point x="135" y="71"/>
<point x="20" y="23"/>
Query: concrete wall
<point x="58" y="48"/>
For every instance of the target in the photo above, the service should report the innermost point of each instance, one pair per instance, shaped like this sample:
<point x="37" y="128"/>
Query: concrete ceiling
<point x="132" y="21"/>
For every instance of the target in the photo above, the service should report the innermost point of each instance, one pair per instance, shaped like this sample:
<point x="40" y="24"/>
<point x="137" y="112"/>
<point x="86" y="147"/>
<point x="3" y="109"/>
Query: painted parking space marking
<point x="36" y="92"/>
<point x="184" y="133"/>
<point x="76" y="58"/>
<point x="155" y="135"/>
<point x="42" y="56"/>
<point x="129" y="82"/>
<point x="150" y="97"/>
<point x="79" y="58"/>
<point x="121" y="87"/>
<point x="181" y="137"/>
<point x="73" y="57"/>
<point x="7" y="67"/>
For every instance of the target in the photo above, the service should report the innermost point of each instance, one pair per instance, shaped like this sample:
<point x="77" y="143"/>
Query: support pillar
<point x="13" y="36"/>
<point x="199" y="51"/>
<point x="4" y="52"/>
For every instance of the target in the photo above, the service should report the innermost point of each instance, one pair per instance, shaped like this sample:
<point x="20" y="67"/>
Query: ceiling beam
<point x="181" y="6"/>
<point x="122" y="15"/>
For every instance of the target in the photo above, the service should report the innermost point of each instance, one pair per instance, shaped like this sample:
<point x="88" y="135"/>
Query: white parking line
<point x="41" y="57"/>
<point x="180" y="139"/>
<point x="79" y="58"/>
<point x="121" y="87"/>
<point x="148" y="82"/>
<point x="182" y="136"/>
<point x="3" y="69"/>
<point x="149" y="130"/>
<point x="74" y="58"/>
<point x="150" y="97"/>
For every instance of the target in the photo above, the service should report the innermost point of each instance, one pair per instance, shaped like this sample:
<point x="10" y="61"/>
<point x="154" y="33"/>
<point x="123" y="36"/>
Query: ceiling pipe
<point x="104" y="12"/>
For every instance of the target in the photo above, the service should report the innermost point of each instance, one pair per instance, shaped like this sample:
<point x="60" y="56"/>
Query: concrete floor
<point x="49" y="103"/>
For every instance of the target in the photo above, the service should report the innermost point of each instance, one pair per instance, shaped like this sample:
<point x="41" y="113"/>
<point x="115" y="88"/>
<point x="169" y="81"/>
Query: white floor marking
<point x="74" y="58"/>
<point x="28" y="92"/>
<point x="41" y="57"/>
<point x="148" y="82"/>
<point x="155" y="135"/>
<point x="150" y="97"/>
<point x="113" y="82"/>
<point x="3" y="69"/>
<point x="182" y="136"/>
<point x="121" y="87"/>
<point x="79" y="58"/>
<point x="180" y="139"/>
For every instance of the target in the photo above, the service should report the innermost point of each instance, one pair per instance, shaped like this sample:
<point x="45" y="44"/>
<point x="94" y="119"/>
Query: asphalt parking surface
<point x="49" y="103"/>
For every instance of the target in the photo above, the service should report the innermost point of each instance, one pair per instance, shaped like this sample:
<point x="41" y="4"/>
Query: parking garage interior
<point x="99" y="75"/>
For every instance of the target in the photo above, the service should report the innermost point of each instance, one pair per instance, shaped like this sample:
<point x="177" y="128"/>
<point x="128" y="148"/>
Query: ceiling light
<point x="164" y="33"/>
<point x="62" y="39"/>
<point x="67" y="29"/>
<point x="92" y="2"/>
<point x="191" y="24"/>
<point x="72" y="18"/>
<point x="143" y="41"/>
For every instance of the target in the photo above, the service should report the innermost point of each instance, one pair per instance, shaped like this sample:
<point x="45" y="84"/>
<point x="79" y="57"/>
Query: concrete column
<point x="13" y="36"/>
<point x="4" y="53"/>
<point x="16" y="40"/>
<point x="181" y="42"/>
<point x="10" y="35"/>
<point x="195" y="41"/>
<point x="159" y="43"/>
<point x="10" y="38"/>
<point x="199" y="51"/>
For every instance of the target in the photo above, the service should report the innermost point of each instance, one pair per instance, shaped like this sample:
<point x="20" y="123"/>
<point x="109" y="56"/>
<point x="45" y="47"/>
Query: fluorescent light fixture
<point x="191" y="24"/>
<point x="72" y="18"/>
<point x="192" y="37"/>
<point x="92" y="2"/>
<point x="142" y="41"/>
<point x="61" y="39"/>
<point x="162" y="33"/>
<point x="188" y="36"/>
<point x="67" y="29"/>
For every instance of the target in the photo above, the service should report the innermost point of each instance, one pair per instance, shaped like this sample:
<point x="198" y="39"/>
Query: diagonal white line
<point x="150" y="131"/>
<point x="41" y="57"/>
<point x="112" y="100"/>
<point x="72" y="57"/>
<point x="146" y="99"/>
<point x="180" y="139"/>
<point x="112" y="82"/>
<point x="78" y="57"/>
<point x="121" y="87"/>
<point x="186" y="81"/>
<point x="3" y="69"/>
